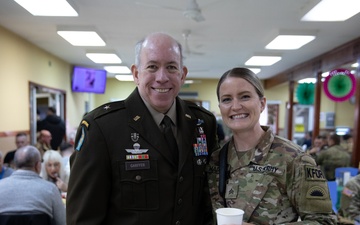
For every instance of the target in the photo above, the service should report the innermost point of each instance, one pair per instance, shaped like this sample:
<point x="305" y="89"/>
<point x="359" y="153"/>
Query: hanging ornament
<point x="340" y="85"/>
<point x="305" y="93"/>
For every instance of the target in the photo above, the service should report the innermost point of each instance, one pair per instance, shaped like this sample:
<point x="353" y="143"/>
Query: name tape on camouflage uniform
<point x="265" y="169"/>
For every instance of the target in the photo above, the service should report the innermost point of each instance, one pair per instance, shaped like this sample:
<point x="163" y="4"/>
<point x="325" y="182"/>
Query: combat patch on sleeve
<point x="312" y="173"/>
<point x="80" y="140"/>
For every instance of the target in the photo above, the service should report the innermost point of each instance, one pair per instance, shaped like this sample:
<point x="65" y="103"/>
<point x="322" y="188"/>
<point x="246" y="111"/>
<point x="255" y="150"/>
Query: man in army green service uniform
<point x="123" y="172"/>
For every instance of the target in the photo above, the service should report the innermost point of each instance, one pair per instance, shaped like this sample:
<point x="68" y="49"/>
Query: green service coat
<point x="109" y="186"/>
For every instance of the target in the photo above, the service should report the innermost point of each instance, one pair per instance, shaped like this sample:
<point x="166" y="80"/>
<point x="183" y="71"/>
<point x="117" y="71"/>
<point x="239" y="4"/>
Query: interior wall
<point x="21" y="62"/>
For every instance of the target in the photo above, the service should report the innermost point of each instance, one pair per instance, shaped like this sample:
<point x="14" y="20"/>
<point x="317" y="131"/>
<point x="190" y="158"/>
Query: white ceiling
<point x="233" y="31"/>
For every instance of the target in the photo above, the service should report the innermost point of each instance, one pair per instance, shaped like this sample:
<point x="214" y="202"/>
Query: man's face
<point x="21" y="141"/>
<point x="160" y="73"/>
<point x="46" y="138"/>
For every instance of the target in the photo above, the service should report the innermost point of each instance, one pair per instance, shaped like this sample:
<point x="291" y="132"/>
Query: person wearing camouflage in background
<point x="334" y="157"/>
<point x="350" y="199"/>
<point x="267" y="176"/>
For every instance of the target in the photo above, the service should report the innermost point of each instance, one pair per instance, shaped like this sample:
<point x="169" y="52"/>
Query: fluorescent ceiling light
<point x="122" y="77"/>
<point x="104" y="57"/>
<point x="355" y="65"/>
<point x="307" y="80"/>
<point x="325" y="74"/>
<point x="118" y="69"/>
<point x="262" y="60"/>
<point x="288" y="42"/>
<point x="48" y="7"/>
<point x="333" y="10"/>
<point x="255" y="70"/>
<point x="82" y="38"/>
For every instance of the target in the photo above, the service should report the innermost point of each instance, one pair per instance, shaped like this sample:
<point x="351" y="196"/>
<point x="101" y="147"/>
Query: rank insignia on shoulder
<point x="80" y="142"/>
<point x="314" y="173"/>
<point x="107" y="107"/>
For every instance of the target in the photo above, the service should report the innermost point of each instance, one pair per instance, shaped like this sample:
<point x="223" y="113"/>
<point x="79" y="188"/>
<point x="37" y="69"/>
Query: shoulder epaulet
<point x="193" y="105"/>
<point x="108" y="108"/>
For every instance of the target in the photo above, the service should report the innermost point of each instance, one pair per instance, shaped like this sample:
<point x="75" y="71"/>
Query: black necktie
<point x="170" y="138"/>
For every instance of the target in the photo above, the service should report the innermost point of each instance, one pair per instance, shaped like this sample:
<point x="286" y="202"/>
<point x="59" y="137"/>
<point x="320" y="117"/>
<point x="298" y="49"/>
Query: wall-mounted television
<point x="88" y="80"/>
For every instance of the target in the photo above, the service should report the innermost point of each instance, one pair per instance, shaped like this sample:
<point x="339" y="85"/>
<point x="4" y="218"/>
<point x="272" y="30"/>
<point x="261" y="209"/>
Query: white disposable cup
<point x="229" y="216"/>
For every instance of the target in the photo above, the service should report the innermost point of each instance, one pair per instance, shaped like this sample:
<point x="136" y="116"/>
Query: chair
<point x="25" y="219"/>
<point x="333" y="194"/>
<point x="340" y="171"/>
<point x="340" y="174"/>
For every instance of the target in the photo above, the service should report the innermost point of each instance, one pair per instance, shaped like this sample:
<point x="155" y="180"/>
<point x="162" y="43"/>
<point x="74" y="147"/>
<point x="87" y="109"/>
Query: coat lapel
<point x="187" y="125"/>
<point x="142" y="122"/>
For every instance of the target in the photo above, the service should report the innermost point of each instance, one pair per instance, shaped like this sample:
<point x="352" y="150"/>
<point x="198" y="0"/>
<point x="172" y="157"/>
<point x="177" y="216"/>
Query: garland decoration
<point x="305" y="93"/>
<point x="340" y="85"/>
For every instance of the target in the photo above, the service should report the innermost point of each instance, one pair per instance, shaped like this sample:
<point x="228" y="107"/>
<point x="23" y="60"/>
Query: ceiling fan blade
<point x="152" y="5"/>
<point x="193" y="11"/>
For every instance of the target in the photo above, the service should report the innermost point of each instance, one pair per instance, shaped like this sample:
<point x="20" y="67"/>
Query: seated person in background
<point x="4" y="170"/>
<point x="66" y="149"/>
<point x="55" y="125"/>
<point x="347" y="143"/>
<point x="320" y="144"/>
<point x="53" y="170"/>
<point x="25" y="191"/>
<point x="350" y="199"/>
<point x="307" y="141"/>
<point x="43" y="143"/>
<point x="21" y="140"/>
<point x="335" y="156"/>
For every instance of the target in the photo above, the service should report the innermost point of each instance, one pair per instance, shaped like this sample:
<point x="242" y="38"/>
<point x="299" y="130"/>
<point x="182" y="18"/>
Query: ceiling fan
<point x="187" y="50"/>
<point x="191" y="11"/>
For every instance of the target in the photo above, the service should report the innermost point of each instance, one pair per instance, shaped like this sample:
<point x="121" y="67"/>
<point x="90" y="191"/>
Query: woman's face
<point x="53" y="168"/>
<point x="240" y="105"/>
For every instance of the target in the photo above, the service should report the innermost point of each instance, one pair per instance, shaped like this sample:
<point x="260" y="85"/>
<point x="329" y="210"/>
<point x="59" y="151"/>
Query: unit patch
<point x="317" y="192"/>
<point x="81" y="139"/>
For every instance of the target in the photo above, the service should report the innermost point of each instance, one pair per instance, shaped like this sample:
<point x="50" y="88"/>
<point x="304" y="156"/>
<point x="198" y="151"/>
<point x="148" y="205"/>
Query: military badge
<point x="136" y="149"/>
<point x="134" y="137"/>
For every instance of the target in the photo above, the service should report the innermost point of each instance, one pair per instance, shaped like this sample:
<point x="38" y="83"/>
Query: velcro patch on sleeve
<point x="346" y="191"/>
<point x="317" y="192"/>
<point x="81" y="139"/>
<point x="313" y="173"/>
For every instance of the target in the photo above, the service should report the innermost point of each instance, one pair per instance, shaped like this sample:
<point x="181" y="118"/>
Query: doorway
<point x="42" y="97"/>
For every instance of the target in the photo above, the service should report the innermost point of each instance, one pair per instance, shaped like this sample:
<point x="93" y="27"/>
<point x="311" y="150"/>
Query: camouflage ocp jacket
<point x="274" y="183"/>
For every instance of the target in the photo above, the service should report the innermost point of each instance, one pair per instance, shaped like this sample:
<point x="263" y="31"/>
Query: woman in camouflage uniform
<point x="265" y="175"/>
